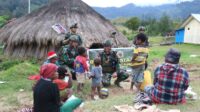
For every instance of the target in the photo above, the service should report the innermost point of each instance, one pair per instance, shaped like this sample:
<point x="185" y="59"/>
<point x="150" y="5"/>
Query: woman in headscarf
<point x="46" y="93"/>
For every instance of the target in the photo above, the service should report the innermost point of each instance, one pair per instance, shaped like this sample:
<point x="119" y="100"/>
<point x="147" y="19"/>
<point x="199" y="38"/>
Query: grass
<point x="15" y="74"/>
<point x="127" y="98"/>
<point x="16" y="80"/>
<point x="185" y="49"/>
<point x="158" y="52"/>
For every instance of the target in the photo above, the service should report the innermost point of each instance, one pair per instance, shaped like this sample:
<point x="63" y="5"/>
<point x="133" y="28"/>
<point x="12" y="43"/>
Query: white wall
<point x="192" y="32"/>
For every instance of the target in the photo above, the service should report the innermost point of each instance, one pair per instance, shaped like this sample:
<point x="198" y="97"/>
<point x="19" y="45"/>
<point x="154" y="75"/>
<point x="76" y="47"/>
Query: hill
<point x="175" y="11"/>
<point x="17" y="8"/>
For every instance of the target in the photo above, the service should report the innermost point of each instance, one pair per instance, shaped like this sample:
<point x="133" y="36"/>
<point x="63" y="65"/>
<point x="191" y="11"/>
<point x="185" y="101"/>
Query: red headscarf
<point x="47" y="70"/>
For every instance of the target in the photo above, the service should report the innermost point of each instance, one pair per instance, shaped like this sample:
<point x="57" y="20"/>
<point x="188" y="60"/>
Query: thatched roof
<point x="32" y="35"/>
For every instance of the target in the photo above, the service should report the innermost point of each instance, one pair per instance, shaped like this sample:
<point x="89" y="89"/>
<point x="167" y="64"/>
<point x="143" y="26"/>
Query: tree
<point x="18" y="8"/>
<point x="152" y="27"/>
<point x="133" y="23"/>
<point x="3" y="20"/>
<point x="165" y="24"/>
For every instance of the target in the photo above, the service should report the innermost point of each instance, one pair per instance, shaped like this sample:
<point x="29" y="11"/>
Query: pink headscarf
<point x="47" y="70"/>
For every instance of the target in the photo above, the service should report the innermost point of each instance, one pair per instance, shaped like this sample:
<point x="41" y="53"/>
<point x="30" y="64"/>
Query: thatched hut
<point x="32" y="35"/>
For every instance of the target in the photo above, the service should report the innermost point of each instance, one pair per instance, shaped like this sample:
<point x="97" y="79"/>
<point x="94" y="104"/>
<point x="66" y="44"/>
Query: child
<point x="52" y="58"/>
<point x="81" y="67"/>
<point x="63" y="84"/>
<point x="96" y="75"/>
<point x="138" y="61"/>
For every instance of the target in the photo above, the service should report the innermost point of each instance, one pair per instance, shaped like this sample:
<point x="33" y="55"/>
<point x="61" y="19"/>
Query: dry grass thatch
<point x="32" y="35"/>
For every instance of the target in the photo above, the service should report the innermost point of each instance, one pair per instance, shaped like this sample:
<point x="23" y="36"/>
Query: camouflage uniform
<point x="141" y="28"/>
<point x="69" y="34"/>
<point x="67" y="56"/>
<point x="110" y="64"/>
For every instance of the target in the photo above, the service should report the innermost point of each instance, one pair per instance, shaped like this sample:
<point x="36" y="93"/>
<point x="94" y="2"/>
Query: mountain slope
<point x="17" y="8"/>
<point x="181" y="10"/>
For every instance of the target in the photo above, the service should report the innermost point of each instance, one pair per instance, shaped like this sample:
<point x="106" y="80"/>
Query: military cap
<point x="107" y="43"/>
<point x="74" y="26"/>
<point x="141" y="28"/>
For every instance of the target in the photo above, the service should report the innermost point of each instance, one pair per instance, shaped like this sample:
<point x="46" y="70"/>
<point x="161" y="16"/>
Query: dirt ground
<point x="23" y="100"/>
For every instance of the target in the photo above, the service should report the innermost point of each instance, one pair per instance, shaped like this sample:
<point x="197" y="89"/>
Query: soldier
<point x="113" y="36"/>
<point x="73" y="31"/>
<point x="68" y="54"/>
<point x="141" y="30"/>
<point x="110" y="66"/>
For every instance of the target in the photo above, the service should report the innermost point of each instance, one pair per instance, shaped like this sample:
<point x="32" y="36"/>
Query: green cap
<point x="73" y="38"/>
<point x="107" y="43"/>
<point x="74" y="26"/>
<point x="141" y="28"/>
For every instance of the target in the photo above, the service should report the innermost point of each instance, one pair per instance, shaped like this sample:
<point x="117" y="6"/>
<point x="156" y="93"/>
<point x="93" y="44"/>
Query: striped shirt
<point x="142" y="54"/>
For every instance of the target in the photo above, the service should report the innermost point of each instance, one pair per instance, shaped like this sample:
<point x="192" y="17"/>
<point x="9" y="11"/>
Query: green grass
<point x="16" y="79"/>
<point x="107" y="104"/>
<point x="157" y="52"/>
<point x="15" y="74"/>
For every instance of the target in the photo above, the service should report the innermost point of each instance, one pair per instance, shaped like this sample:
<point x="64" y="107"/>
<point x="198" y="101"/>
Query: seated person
<point x="64" y="82"/>
<point x="45" y="93"/>
<point x="52" y="58"/>
<point x="60" y="81"/>
<point x="170" y="81"/>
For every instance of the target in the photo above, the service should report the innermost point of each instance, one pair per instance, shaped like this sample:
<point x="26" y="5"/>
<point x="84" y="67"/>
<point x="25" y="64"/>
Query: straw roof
<point x="32" y="35"/>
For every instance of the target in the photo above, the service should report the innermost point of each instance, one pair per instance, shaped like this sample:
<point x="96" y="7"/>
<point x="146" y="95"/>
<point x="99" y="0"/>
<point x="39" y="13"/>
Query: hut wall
<point x="192" y="34"/>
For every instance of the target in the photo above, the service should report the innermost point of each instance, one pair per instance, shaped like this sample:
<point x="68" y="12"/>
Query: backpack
<point x="79" y="67"/>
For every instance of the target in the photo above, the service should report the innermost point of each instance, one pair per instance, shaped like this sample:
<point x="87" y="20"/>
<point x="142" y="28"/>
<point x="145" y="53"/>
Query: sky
<point x="119" y="3"/>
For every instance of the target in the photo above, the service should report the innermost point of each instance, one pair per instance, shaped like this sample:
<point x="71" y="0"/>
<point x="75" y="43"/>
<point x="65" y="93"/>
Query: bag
<point x="71" y="104"/>
<point x="79" y="67"/>
<point x="147" y="80"/>
<point x="142" y="98"/>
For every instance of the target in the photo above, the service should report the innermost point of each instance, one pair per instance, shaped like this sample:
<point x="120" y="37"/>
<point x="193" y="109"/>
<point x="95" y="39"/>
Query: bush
<point x="3" y="20"/>
<point x="133" y="23"/>
<point x="131" y="36"/>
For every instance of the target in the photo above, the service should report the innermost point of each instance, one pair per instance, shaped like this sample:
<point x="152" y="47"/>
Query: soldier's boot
<point x="117" y="83"/>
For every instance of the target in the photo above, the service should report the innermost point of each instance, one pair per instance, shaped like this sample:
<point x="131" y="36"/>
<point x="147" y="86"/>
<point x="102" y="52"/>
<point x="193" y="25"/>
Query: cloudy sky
<point x="118" y="3"/>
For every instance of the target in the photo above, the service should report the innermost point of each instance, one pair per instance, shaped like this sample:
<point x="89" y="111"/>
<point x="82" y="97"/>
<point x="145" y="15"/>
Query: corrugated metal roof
<point x="192" y="16"/>
<point x="196" y="16"/>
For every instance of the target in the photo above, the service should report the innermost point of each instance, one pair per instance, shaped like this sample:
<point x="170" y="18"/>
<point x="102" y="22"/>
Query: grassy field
<point x="156" y="57"/>
<point x="17" y="91"/>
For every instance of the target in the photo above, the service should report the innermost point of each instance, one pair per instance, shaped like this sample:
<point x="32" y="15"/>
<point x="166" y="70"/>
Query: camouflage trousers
<point x="106" y="78"/>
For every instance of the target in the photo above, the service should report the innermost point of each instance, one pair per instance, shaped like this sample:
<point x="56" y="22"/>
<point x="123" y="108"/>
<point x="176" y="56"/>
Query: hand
<point x="68" y="74"/>
<point x="114" y="75"/>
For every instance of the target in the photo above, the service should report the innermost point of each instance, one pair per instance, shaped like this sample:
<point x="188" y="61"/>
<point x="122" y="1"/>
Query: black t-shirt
<point x="46" y="97"/>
